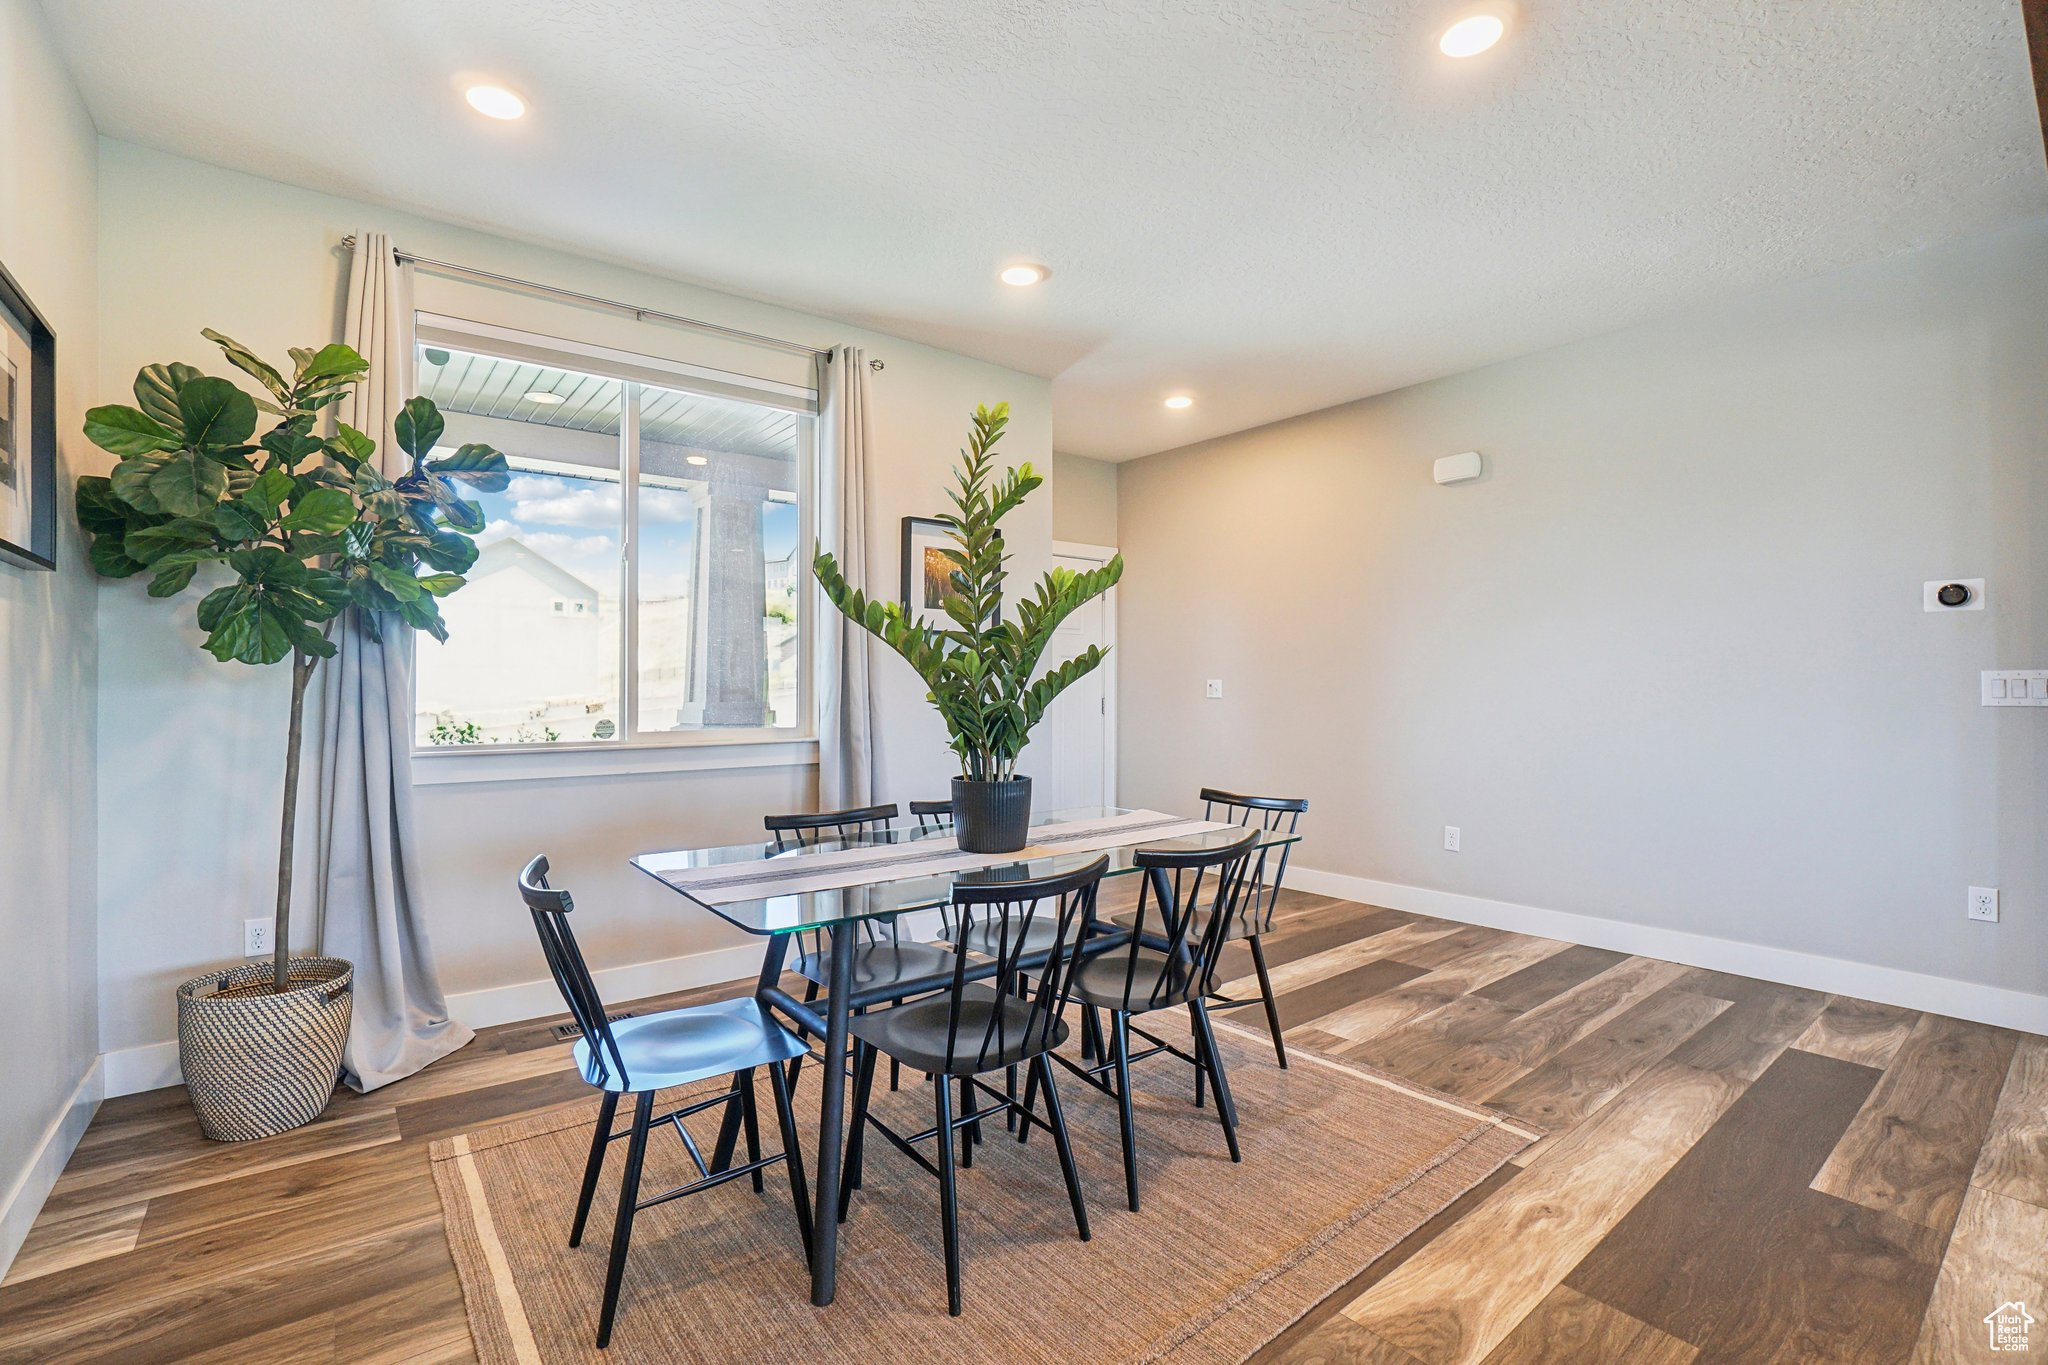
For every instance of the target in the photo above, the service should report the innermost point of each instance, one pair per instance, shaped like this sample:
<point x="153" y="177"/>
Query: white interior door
<point x="1072" y="756"/>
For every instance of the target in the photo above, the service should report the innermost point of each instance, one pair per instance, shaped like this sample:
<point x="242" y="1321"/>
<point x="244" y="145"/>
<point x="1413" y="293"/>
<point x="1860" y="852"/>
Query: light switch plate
<point x="2013" y="687"/>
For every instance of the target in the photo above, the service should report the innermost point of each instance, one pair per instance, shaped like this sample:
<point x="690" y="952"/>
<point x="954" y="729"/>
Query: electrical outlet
<point x="1451" y="838"/>
<point x="1215" y="687"/>
<point x="1984" y="903"/>
<point x="256" y="937"/>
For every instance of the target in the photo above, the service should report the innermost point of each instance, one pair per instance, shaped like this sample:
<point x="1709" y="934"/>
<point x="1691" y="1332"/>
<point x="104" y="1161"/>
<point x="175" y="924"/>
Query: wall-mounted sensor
<point x="1952" y="594"/>
<point x="1459" y="468"/>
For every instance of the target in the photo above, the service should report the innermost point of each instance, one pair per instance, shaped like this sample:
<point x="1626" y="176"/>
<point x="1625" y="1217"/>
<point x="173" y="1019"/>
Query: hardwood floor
<point x="1736" y="1171"/>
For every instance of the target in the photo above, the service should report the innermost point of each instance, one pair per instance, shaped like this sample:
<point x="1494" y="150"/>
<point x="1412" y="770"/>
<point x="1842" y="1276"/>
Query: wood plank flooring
<point x="1736" y="1171"/>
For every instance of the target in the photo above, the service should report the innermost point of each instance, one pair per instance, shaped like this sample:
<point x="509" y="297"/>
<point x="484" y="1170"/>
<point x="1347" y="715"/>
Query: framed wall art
<point x="929" y="558"/>
<point x="28" y="432"/>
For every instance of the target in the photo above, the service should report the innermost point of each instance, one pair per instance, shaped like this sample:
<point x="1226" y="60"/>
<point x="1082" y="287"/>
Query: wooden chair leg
<point x="1043" y="1065"/>
<point x="792" y="1157"/>
<point x="949" y="1203"/>
<point x="1272" y="1005"/>
<point x="600" y="1142"/>
<point x="744" y="1086"/>
<point x="622" y="1227"/>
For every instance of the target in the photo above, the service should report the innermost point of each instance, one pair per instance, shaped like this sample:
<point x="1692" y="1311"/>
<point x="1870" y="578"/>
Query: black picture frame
<point x="39" y="468"/>
<point x="918" y="532"/>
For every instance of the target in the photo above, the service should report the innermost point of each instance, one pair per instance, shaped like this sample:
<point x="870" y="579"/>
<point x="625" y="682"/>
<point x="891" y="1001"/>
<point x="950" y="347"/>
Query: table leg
<point x="729" y="1128"/>
<point x="831" y="1125"/>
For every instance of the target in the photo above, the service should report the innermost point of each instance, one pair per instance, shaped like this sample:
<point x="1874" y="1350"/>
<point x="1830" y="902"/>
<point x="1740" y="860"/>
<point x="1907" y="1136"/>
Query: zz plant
<point x="305" y="526"/>
<point x="982" y="673"/>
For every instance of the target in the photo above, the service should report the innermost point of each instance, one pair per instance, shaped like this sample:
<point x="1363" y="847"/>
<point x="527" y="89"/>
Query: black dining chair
<point x="1281" y="814"/>
<point x="641" y="1055"/>
<point x="881" y="955"/>
<point x="975" y="1027"/>
<point x="1165" y="958"/>
<point x="932" y="816"/>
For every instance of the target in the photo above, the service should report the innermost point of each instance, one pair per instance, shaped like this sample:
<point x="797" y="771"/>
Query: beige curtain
<point x="369" y="882"/>
<point x="846" y="767"/>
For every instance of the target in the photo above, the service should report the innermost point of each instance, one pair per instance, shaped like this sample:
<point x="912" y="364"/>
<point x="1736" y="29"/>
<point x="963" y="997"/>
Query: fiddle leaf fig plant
<point x="300" y="526"/>
<point x="983" y="671"/>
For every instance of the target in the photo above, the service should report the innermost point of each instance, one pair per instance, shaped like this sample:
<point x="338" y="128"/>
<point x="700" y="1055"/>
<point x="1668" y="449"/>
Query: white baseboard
<point x="155" y="1065"/>
<point x="538" y="999"/>
<point x="33" y="1186"/>
<point x="1889" y="985"/>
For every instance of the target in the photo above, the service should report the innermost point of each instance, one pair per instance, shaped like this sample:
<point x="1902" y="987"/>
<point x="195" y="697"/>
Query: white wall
<point x="47" y="1008"/>
<point x="188" y="807"/>
<point x="1666" y="664"/>
<point x="1083" y="500"/>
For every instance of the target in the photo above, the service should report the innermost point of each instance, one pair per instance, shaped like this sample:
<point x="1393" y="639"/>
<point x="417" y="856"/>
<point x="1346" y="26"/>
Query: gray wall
<point x="47" y="1007"/>
<point x="1083" y="500"/>
<point x="1666" y="663"/>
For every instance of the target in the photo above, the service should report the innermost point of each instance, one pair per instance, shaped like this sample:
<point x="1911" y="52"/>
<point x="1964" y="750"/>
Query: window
<point x="641" y="578"/>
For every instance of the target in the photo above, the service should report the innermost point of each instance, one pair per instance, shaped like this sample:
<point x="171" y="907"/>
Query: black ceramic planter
<point x="991" y="817"/>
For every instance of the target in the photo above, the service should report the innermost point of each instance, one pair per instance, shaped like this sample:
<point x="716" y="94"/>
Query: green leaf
<point x="463" y="516"/>
<point x="418" y="427"/>
<point x="127" y="431"/>
<point x="214" y="607"/>
<point x="323" y="511"/>
<point x="215" y="412"/>
<point x="151" y="543"/>
<point x="441" y="584"/>
<point x="291" y="445"/>
<point x="332" y="362"/>
<point x="269" y="491"/>
<point x="172" y="581"/>
<point x="188" y="484"/>
<point x="100" y="511"/>
<point x="450" y="551"/>
<point x="402" y="586"/>
<point x="243" y="359"/>
<point x="131" y="477"/>
<point x="156" y="390"/>
<point x="239" y="521"/>
<point x="476" y="464"/>
<point x="350" y="446"/>
<point x="110" y="560"/>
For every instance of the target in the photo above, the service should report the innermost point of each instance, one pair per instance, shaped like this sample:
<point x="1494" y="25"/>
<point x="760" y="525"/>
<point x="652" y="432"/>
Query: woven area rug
<point x="1340" y="1163"/>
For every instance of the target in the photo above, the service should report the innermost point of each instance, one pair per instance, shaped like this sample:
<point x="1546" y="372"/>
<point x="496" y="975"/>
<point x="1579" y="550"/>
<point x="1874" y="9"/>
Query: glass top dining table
<point x="885" y="895"/>
<point x="884" y="888"/>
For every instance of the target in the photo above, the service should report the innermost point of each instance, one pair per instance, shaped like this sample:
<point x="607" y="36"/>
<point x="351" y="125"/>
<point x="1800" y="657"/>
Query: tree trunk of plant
<point x="281" y="948"/>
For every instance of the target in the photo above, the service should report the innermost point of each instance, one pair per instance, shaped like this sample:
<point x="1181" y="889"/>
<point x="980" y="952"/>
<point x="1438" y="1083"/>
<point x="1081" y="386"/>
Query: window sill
<point x="450" y="766"/>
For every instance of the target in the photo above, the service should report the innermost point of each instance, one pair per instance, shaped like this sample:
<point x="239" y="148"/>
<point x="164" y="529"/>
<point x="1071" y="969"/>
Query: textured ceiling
<point x="1271" y="205"/>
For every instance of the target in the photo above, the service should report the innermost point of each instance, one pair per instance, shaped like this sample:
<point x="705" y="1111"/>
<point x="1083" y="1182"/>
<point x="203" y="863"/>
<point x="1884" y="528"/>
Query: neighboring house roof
<point x="514" y="553"/>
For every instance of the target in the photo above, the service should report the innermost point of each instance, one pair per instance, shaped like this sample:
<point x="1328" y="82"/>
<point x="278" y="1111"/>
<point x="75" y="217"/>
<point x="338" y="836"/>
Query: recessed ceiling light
<point x="1472" y="35"/>
<point x="695" y="459"/>
<point x="494" y="101"/>
<point x="1180" y="400"/>
<point x="1023" y="276"/>
<point x="544" y="398"/>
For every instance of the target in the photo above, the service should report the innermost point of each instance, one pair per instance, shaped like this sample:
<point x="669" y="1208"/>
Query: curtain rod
<point x="640" y="314"/>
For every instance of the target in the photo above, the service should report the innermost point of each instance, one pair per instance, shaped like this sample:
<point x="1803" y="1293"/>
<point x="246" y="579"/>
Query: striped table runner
<point x="833" y="869"/>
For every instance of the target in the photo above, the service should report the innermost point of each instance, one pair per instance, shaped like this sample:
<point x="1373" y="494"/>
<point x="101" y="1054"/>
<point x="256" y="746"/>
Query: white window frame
<point x="633" y="371"/>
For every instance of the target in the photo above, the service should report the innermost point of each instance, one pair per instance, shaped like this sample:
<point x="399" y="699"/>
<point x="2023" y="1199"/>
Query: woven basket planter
<point x="257" y="1063"/>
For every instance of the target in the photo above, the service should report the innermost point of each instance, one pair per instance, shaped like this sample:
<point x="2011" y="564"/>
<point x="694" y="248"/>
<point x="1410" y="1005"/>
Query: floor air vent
<point x="564" y="1032"/>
